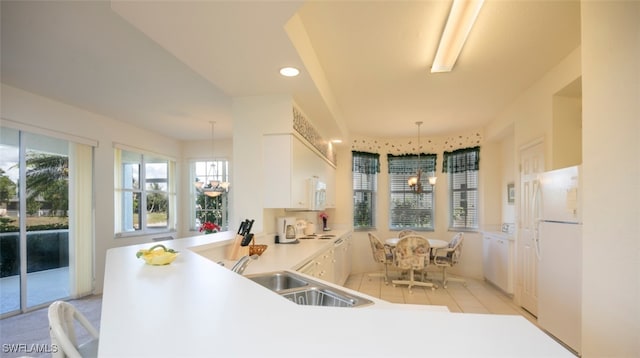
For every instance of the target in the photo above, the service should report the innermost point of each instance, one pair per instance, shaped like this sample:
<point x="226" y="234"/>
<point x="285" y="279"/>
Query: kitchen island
<point x="198" y="308"/>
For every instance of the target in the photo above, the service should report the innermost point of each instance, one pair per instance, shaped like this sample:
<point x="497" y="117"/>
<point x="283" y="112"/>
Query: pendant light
<point x="215" y="187"/>
<point x="414" y="181"/>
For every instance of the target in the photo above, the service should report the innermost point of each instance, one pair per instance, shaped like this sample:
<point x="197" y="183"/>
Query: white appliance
<point x="286" y="227"/>
<point x="558" y="240"/>
<point x="317" y="194"/>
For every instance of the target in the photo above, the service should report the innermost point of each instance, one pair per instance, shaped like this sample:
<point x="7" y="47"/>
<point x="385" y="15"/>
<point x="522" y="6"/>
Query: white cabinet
<point x="321" y="266"/>
<point x="342" y="260"/>
<point x="498" y="260"/>
<point x="333" y="264"/>
<point x="288" y="166"/>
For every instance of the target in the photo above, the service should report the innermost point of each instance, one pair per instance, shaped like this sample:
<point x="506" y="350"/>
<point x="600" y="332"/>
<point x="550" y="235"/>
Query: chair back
<point x="62" y="318"/>
<point x="412" y="252"/>
<point x="404" y="233"/>
<point x="380" y="253"/>
<point x="456" y="248"/>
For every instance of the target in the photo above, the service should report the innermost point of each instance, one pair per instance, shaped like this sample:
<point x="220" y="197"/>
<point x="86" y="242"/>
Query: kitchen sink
<point x="316" y="296"/>
<point x="278" y="281"/>
<point x="307" y="292"/>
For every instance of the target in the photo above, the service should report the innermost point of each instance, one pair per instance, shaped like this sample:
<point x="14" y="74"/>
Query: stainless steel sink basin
<point x="316" y="296"/>
<point x="278" y="281"/>
<point x="304" y="291"/>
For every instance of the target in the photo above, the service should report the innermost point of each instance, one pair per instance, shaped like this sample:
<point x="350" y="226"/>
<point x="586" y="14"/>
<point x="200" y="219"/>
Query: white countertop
<point x="501" y="234"/>
<point x="195" y="307"/>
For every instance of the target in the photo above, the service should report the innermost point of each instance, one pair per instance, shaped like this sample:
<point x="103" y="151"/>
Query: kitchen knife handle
<point x="246" y="240"/>
<point x="241" y="228"/>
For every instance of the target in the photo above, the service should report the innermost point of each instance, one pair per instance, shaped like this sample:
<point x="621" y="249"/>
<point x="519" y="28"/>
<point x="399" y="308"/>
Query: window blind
<point x="407" y="208"/>
<point x="462" y="166"/>
<point x="366" y="167"/>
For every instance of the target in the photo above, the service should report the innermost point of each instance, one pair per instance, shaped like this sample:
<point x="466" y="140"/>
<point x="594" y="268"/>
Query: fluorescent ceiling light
<point x="461" y="18"/>
<point x="289" y="71"/>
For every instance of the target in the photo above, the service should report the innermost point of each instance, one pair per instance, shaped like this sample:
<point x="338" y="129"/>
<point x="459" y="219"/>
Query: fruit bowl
<point x="157" y="255"/>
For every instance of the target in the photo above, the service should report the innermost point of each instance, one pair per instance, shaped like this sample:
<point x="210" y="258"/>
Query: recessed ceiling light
<point x="336" y="141"/>
<point x="289" y="71"/>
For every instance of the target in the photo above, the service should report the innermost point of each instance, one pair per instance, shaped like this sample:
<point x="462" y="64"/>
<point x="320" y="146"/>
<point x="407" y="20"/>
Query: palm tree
<point x="48" y="179"/>
<point x="7" y="188"/>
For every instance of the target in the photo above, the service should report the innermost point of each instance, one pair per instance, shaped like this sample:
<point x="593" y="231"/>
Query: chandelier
<point x="214" y="187"/>
<point x="414" y="181"/>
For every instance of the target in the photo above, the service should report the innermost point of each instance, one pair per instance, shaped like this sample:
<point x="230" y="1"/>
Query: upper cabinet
<point x="289" y="164"/>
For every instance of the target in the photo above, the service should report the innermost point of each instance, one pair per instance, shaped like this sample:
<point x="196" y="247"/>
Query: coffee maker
<point x="286" y="230"/>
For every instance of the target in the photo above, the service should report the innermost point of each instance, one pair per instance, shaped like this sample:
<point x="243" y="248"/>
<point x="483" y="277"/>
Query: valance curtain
<point x="461" y="160"/>
<point x="410" y="163"/>
<point x="366" y="163"/>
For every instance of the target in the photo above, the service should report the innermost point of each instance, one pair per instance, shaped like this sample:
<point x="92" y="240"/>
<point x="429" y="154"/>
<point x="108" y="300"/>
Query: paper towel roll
<point x="310" y="229"/>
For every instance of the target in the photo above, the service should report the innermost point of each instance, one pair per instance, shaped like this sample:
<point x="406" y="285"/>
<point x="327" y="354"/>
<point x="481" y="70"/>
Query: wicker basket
<point x="257" y="249"/>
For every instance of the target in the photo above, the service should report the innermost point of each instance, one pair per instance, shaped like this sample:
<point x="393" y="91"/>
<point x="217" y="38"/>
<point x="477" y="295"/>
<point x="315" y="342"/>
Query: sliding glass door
<point x="9" y="221"/>
<point x="34" y="220"/>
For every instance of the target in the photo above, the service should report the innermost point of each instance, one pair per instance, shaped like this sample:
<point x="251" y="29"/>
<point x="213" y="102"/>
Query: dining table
<point x="433" y="243"/>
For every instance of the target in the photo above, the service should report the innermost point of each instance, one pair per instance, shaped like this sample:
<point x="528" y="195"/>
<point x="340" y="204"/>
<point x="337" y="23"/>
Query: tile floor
<point x="477" y="296"/>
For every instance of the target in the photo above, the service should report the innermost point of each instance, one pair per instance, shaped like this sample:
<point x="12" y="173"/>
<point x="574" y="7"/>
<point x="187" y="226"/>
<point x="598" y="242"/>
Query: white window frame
<point x="360" y="191"/>
<point x="121" y="211"/>
<point x="221" y="175"/>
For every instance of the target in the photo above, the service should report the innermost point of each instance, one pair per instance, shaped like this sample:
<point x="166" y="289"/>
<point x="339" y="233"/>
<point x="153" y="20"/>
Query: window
<point x="214" y="209"/>
<point x="144" y="193"/>
<point x="409" y="209"/>
<point x="366" y="167"/>
<point x="462" y="166"/>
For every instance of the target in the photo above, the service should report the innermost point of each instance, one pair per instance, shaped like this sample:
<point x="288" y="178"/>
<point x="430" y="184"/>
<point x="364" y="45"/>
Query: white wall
<point x="567" y="131"/>
<point x="611" y="137"/>
<point x="509" y="171"/>
<point x="253" y="117"/>
<point x="34" y="110"/>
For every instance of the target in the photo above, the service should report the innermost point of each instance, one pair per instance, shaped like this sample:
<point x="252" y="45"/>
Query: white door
<point x="531" y="164"/>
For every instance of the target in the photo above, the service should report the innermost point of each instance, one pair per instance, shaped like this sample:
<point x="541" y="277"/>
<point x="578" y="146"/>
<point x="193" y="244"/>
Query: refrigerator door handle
<point x="535" y="212"/>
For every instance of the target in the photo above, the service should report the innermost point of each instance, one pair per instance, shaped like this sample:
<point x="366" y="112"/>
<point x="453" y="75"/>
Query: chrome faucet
<point x="242" y="264"/>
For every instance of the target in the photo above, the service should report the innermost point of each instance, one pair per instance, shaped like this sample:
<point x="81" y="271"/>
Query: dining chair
<point x="62" y="329"/>
<point x="404" y="233"/>
<point x="448" y="257"/>
<point x="382" y="254"/>
<point x="412" y="254"/>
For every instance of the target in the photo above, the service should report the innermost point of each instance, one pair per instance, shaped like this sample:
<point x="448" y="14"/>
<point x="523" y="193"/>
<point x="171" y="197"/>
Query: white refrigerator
<point x="558" y="240"/>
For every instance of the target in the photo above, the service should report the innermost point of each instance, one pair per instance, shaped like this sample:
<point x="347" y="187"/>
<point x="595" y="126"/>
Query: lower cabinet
<point x="342" y="260"/>
<point x="332" y="265"/>
<point x="498" y="260"/>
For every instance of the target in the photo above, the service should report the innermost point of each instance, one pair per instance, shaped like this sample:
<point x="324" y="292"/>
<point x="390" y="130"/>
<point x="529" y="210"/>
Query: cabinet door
<point x="501" y="254"/>
<point x="286" y="169"/>
<point x="325" y="267"/>
<point x="309" y="268"/>
<point x="330" y="180"/>
<point x="488" y="259"/>
<point x="302" y="169"/>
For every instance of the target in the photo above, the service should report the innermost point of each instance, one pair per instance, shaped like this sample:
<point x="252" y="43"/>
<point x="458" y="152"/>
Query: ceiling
<point x="173" y="66"/>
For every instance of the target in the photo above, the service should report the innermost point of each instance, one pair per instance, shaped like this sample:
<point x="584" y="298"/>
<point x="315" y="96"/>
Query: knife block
<point x="235" y="251"/>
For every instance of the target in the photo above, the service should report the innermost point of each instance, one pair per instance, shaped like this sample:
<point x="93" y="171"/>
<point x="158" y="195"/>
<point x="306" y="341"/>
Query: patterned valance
<point x="366" y="163"/>
<point x="461" y="160"/>
<point x="410" y="163"/>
